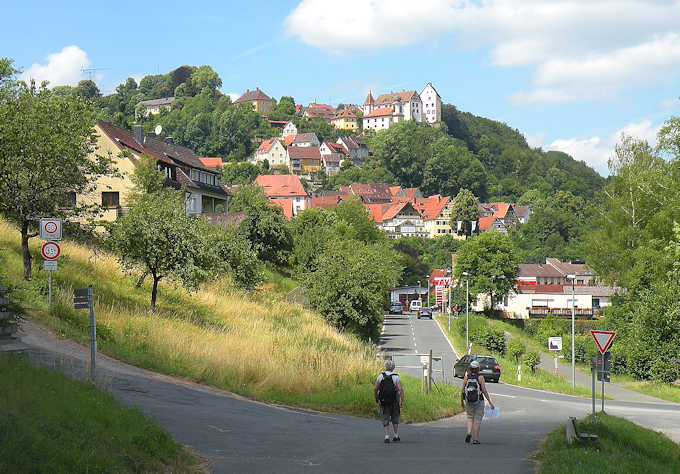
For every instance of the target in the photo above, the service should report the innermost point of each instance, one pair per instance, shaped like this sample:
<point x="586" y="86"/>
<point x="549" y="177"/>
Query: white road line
<point x="447" y="339"/>
<point x="503" y="395"/>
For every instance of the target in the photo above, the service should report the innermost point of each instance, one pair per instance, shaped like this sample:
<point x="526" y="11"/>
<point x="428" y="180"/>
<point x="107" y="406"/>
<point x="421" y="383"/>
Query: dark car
<point x="488" y="367"/>
<point x="425" y="312"/>
<point x="395" y="308"/>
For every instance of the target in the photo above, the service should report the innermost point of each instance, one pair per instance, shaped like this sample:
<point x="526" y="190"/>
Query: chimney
<point x="138" y="132"/>
<point x="168" y="140"/>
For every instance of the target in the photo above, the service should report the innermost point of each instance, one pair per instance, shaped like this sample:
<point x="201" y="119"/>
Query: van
<point x="415" y="305"/>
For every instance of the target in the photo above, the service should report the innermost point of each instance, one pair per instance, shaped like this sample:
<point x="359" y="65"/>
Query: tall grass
<point x="49" y="423"/>
<point x="262" y="348"/>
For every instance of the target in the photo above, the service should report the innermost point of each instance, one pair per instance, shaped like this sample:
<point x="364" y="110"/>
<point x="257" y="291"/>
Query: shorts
<point x="475" y="411"/>
<point x="390" y="413"/>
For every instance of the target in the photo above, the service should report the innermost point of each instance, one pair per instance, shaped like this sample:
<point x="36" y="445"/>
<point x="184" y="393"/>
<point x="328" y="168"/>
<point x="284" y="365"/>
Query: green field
<point x="49" y="423"/>
<point x="622" y="447"/>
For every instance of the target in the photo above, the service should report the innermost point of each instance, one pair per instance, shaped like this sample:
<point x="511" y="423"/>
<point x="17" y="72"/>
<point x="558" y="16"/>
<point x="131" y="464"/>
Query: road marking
<point x="503" y="395"/>
<point x="219" y="429"/>
<point x="447" y="339"/>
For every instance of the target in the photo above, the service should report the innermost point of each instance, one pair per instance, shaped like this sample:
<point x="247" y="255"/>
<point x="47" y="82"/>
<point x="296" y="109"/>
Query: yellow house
<point x="345" y="120"/>
<point x="261" y="102"/>
<point x="436" y="212"/>
<point x="183" y="170"/>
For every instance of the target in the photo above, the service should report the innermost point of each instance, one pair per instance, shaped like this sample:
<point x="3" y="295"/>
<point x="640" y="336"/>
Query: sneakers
<point x="396" y="439"/>
<point x="468" y="437"/>
<point x="387" y="440"/>
<point x="475" y="441"/>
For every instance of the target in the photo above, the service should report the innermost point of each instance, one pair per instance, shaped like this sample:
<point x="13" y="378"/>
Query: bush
<point x="531" y="360"/>
<point x="664" y="371"/>
<point x="549" y="327"/>
<point x="515" y="350"/>
<point x="493" y="339"/>
<point x="584" y="348"/>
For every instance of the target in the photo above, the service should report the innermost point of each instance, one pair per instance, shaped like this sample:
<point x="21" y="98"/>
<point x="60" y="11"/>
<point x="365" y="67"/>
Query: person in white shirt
<point x="389" y="395"/>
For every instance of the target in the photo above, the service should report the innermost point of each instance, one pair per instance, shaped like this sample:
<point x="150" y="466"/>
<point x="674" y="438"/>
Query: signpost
<point x="603" y="340"/>
<point x="50" y="231"/>
<point x="83" y="299"/>
<point x="555" y="345"/>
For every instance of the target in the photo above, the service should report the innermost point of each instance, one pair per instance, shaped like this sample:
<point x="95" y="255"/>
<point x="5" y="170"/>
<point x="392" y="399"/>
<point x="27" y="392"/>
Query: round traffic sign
<point x="50" y="250"/>
<point x="51" y="227"/>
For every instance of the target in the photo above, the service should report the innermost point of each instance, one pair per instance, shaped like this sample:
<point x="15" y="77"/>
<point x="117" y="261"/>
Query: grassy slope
<point x="49" y="423"/>
<point x="622" y="447"/>
<point x="541" y="379"/>
<point x="670" y="393"/>
<point x="265" y="349"/>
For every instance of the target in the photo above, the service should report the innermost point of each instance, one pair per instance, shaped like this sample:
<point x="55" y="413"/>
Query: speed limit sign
<point x="50" y="228"/>
<point x="50" y="250"/>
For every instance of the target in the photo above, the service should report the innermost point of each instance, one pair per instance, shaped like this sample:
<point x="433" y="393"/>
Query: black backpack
<point x="387" y="393"/>
<point x="471" y="390"/>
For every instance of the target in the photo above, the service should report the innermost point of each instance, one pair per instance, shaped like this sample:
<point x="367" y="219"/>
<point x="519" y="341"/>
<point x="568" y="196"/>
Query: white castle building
<point x="395" y="107"/>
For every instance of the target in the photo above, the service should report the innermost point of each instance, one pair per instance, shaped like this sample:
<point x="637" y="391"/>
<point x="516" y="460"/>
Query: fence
<point x="297" y="295"/>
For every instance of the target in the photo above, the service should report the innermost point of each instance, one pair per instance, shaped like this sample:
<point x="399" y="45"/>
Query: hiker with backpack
<point x="389" y="395"/>
<point x="472" y="400"/>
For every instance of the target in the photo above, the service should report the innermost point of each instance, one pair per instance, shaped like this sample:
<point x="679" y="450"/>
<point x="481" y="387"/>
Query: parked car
<point x="415" y="305"/>
<point x="425" y="312"/>
<point x="395" y="308"/>
<point x="488" y="367"/>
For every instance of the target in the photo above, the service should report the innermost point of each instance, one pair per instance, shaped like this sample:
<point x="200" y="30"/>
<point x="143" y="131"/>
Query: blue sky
<point x="570" y="75"/>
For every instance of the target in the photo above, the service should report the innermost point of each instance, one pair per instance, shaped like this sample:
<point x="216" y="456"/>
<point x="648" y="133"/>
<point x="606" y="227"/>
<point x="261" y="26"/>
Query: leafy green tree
<point x="46" y="154"/>
<point x="147" y="178"/>
<point x="355" y="222"/>
<point x="88" y="90"/>
<point x="237" y="253"/>
<point x="265" y="227"/>
<point x="157" y="237"/>
<point x="240" y="173"/>
<point x="349" y="285"/>
<point x="516" y="350"/>
<point x="464" y="209"/>
<point x="491" y="262"/>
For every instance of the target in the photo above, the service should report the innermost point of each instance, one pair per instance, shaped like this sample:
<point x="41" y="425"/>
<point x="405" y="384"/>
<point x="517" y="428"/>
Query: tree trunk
<point x="141" y="280"/>
<point x="154" y="291"/>
<point x="25" y="252"/>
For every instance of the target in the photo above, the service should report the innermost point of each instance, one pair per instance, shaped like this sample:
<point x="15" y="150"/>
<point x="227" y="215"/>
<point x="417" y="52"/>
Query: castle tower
<point x="369" y="104"/>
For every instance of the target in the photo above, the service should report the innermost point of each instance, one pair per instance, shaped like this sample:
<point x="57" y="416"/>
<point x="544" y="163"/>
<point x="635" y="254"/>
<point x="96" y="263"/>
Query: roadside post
<point x="50" y="232"/>
<point x="593" y="369"/>
<point x="555" y="345"/>
<point x="603" y="340"/>
<point x="83" y="299"/>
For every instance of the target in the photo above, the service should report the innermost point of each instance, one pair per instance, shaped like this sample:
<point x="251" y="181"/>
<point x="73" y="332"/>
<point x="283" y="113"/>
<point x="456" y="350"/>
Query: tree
<point x="240" y="173"/>
<point x="491" y="262"/>
<point x="88" y="90"/>
<point x="238" y="255"/>
<point x="157" y="237"/>
<point x="349" y="285"/>
<point x="46" y="154"/>
<point x="464" y="209"/>
<point x="147" y="178"/>
<point x="265" y="227"/>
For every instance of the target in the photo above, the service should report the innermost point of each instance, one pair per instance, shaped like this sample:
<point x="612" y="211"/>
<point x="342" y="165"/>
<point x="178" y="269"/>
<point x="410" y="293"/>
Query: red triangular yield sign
<point x="603" y="339"/>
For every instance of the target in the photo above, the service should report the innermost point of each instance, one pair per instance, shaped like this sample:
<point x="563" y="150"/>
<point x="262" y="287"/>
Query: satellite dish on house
<point x="158" y="130"/>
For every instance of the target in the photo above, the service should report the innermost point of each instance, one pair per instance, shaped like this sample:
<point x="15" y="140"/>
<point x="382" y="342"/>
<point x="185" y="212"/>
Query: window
<point x="110" y="199"/>
<point x="69" y="201"/>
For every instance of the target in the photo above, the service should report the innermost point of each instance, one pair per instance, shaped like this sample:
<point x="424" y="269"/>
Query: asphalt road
<point x="236" y="435"/>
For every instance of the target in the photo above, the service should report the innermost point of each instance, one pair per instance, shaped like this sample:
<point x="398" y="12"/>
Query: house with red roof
<point x="345" y="120"/>
<point x="304" y="160"/>
<point x="323" y="111"/>
<point x="332" y="156"/>
<point x="371" y="193"/>
<point x="273" y="151"/>
<point x="396" y="107"/>
<point x="326" y="202"/>
<point x="260" y="101"/>
<point x="436" y="212"/>
<point x="398" y="219"/>
<point x="184" y="170"/>
<point x="288" y="129"/>
<point x="503" y="211"/>
<point x="305" y="139"/>
<point x="356" y="148"/>
<point x="214" y="163"/>
<point x="285" y="187"/>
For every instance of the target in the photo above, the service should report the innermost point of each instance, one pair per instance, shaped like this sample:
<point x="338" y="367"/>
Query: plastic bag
<point x="491" y="412"/>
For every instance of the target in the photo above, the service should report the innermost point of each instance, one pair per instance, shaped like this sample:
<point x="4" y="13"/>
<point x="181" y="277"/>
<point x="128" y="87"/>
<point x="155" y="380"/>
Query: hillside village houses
<point x="394" y="107"/>
<point x="273" y="151"/>
<point x="345" y="120"/>
<point x="183" y="170"/>
<point x="285" y="191"/>
<point x="153" y="106"/>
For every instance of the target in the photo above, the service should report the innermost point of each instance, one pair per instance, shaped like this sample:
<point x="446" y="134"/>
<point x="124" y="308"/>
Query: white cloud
<point x="596" y="151"/>
<point x="581" y="49"/>
<point x="233" y="95"/>
<point x="62" y="68"/>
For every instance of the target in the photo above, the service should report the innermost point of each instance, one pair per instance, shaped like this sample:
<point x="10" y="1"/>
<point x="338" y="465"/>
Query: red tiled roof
<point x="394" y="190"/>
<point x="344" y="113"/>
<point x="286" y="205"/>
<point x="405" y="96"/>
<point x="386" y="211"/>
<point x="289" y="139"/>
<point x="249" y="96"/>
<point x="212" y="162"/>
<point x="336" y="147"/>
<point x="327" y="202"/>
<point x="369" y="99"/>
<point x="381" y="112"/>
<point x="304" y="138"/>
<point x="486" y="222"/>
<point x="281" y="185"/>
<point x="553" y="289"/>
<point x="431" y="207"/>
<point x="302" y="152"/>
<point x="538" y="270"/>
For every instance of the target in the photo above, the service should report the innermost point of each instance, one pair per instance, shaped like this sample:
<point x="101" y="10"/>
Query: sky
<point x="570" y="75"/>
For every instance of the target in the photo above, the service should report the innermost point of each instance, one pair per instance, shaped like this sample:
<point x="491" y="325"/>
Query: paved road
<point x="239" y="435"/>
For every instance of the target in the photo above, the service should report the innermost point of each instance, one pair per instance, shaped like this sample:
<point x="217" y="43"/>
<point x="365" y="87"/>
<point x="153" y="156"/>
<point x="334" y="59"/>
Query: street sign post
<point x="83" y="299"/>
<point x="555" y="345"/>
<point x="50" y="228"/>
<point x="50" y="265"/>
<point x="50" y="251"/>
<point x="603" y="340"/>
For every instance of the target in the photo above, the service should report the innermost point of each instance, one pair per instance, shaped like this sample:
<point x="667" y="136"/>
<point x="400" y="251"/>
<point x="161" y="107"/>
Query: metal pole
<point x="428" y="292"/>
<point x="592" y="373"/>
<point x="93" y="333"/>
<point x="573" y="342"/>
<point x="602" y="383"/>
<point x="467" y="317"/>
<point x="429" y="372"/>
<point x="49" y="294"/>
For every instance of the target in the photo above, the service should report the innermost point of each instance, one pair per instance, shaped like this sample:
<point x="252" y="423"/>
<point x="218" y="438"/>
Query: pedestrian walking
<point x="472" y="400"/>
<point x="389" y="395"/>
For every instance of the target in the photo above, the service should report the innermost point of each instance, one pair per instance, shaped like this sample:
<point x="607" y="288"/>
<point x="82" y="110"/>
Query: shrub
<point x="664" y="371"/>
<point x="584" y="348"/>
<point x="549" y="327"/>
<point x="515" y="350"/>
<point x="531" y="360"/>
<point x="493" y="339"/>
